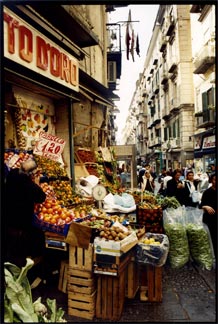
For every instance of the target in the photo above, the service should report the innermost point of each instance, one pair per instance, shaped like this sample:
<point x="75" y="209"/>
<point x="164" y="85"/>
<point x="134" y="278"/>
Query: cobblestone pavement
<point x="189" y="295"/>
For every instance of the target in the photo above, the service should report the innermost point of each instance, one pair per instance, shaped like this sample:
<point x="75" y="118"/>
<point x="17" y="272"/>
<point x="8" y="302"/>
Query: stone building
<point x="172" y="90"/>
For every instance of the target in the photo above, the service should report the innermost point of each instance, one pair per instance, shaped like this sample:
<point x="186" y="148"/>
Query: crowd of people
<point x="189" y="189"/>
<point x="22" y="191"/>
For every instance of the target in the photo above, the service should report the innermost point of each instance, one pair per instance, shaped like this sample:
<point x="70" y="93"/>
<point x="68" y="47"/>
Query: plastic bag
<point x="200" y="245"/>
<point x="174" y="226"/>
<point x="128" y="200"/>
<point x="151" y="253"/>
<point x="196" y="196"/>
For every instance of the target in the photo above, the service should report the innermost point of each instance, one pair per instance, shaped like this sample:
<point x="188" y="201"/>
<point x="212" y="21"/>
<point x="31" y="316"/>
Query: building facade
<point x="56" y="77"/>
<point x="174" y="96"/>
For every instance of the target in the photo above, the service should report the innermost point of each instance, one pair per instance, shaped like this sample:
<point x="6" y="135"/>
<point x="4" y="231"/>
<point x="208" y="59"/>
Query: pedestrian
<point x="166" y="178"/>
<point x="147" y="182"/>
<point x="209" y="206"/>
<point x="22" y="191"/>
<point x="123" y="177"/>
<point x="141" y="173"/>
<point x="191" y="185"/>
<point x="175" y="187"/>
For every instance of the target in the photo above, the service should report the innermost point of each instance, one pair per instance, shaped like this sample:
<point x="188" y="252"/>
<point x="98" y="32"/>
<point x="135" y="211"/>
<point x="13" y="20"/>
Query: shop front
<point x="205" y="151"/>
<point x="41" y="86"/>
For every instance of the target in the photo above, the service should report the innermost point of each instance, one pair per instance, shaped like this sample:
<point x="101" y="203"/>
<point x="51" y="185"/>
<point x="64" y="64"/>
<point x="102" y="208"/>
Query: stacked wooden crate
<point x="151" y="283"/>
<point x="81" y="283"/>
<point x="132" y="279"/>
<point x="110" y="296"/>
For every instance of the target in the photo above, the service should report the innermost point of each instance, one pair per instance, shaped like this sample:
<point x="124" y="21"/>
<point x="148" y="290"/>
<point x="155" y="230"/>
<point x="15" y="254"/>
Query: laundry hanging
<point x="128" y="38"/>
<point x="137" y="45"/>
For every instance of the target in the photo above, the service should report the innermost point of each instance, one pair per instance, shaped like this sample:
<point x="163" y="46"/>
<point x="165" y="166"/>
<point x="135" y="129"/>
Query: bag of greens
<point x="200" y="245"/>
<point x="174" y="226"/>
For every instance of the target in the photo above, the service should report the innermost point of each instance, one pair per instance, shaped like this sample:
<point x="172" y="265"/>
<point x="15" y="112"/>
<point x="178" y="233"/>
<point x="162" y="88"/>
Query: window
<point x="165" y="133"/>
<point x="208" y="99"/>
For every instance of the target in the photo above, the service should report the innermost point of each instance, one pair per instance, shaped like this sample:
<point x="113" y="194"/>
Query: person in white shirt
<point x="166" y="178"/>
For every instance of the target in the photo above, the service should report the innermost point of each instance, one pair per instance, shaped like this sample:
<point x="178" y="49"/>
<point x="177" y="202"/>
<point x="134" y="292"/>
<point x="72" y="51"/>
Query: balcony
<point x="205" y="59"/>
<point x="154" y="142"/>
<point x="166" y="114"/>
<point x="206" y="119"/>
<point x="163" y="43"/>
<point x="164" y="77"/>
<point x="156" y="89"/>
<point x="172" y="66"/>
<point x="144" y="93"/>
<point x="171" y="25"/>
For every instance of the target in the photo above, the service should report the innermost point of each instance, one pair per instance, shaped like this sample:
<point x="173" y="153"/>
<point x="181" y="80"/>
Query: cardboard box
<point x="110" y="247"/>
<point x="82" y="235"/>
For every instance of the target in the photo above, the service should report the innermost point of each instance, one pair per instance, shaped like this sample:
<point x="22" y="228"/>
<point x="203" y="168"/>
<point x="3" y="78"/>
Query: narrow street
<point x="188" y="296"/>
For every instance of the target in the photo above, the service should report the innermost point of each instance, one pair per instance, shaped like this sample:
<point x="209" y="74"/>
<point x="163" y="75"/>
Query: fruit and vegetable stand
<point x="107" y="260"/>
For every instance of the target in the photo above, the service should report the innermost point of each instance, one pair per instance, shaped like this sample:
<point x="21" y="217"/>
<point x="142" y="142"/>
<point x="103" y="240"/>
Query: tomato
<point x="68" y="219"/>
<point x="47" y="205"/>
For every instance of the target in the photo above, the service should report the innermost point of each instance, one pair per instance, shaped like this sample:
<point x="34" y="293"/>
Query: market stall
<point x="110" y="258"/>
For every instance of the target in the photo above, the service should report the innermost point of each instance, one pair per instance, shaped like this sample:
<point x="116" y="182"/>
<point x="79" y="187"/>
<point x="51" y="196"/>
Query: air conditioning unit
<point x="112" y="71"/>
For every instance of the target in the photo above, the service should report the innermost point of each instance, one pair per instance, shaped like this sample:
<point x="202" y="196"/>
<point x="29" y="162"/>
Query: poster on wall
<point x="49" y="146"/>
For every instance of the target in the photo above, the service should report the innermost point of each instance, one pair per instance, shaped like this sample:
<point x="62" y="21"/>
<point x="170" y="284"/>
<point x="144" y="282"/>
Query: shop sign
<point x="197" y="142"/>
<point x="26" y="46"/>
<point x="49" y="146"/>
<point x="209" y="142"/>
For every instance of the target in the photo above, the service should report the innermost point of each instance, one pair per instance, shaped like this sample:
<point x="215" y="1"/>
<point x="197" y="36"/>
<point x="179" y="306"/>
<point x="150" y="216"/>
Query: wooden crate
<point x="63" y="276"/>
<point x="110" y="296"/>
<point x="82" y="305"/>
<point x="81" y="281"/>
<point x="132" y="279"/>
<point x="111" y="265"/>
<point x="80" y="258"/>
<point x="151" y="283"/>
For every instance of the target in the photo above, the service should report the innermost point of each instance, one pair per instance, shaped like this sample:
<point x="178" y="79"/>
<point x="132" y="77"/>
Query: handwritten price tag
<point x="49" y="146"/>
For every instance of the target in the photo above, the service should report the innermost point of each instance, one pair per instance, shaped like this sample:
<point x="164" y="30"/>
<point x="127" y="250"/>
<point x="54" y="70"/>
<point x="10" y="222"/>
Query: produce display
<point x="199" y="245"/>
<point x="85" y="155"/>
<point x="168" y="202"/>
<point x="152" y="249"/>
<point x="114" y="233"/>
<point x="50" y="168"/>
<point x="63" y="191"/>
<point x="14" y="158"/>
<point x="95" y="222"/>
<point x="179" y="249"/>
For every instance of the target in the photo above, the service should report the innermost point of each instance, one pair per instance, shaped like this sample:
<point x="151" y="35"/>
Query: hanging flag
<point x="137" y="45"/>
<point x="128" y="38"/>
<point x="132" y="45"/>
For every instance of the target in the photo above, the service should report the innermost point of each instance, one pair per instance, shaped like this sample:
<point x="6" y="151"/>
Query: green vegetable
<point x="18" y="304"/>
<point x="168" y="202"/>
<point x="179" y="248"/>
<point x="199" y="245"/>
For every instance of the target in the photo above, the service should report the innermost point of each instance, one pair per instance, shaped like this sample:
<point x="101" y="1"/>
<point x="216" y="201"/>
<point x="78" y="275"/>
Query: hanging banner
<point x="49" y="146"/>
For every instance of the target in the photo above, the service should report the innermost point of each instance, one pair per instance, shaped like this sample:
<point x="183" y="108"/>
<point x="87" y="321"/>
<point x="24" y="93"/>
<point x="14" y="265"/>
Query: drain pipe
<point x="72" y="172"/>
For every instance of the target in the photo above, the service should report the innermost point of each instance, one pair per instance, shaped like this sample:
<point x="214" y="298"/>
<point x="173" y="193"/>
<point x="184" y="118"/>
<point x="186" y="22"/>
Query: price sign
<point x="49" y="146"/>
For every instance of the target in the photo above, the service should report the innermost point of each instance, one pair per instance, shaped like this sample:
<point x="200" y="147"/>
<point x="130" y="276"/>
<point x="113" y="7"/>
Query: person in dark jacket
<point x="175" y="187"/>
<point x="209" y="206"/>
<point x="21" y="193"/>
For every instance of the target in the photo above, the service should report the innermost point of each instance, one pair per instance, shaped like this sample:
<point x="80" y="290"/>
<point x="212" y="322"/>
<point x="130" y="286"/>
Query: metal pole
<point x="71" y="141"/>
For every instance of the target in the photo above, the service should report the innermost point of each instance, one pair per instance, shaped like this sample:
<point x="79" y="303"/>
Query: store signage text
<point x="209" y="142"/>
<point x="49" y="146"/>
<point x="28" y="47"/>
